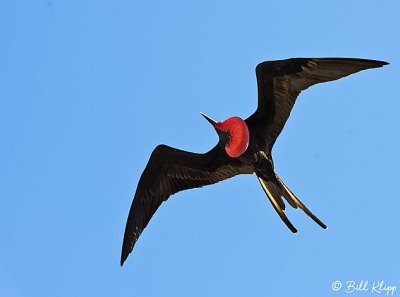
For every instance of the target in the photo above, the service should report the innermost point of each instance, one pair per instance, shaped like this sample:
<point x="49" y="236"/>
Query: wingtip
<point x="379" y="63"/>
<point x="123" y="258"/>
<point x="372" y="63"/>
<point x="382" y="63"/>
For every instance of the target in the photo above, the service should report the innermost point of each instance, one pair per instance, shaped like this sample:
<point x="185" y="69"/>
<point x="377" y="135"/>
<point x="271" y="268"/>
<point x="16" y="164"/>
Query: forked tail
<point x="276" y="190"/>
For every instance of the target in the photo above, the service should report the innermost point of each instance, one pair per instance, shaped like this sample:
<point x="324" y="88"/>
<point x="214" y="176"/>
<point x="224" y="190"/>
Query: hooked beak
<point x="210" y="120"/>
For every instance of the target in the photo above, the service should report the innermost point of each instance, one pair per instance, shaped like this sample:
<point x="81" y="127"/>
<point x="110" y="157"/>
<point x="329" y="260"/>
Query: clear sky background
<point x="89" y="88"/>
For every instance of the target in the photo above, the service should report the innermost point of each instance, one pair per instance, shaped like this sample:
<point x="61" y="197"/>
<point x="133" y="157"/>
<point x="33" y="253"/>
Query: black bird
<point x="244" y="146"/>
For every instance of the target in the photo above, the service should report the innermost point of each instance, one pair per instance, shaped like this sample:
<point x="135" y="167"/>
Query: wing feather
<point x="169" y="171"/>
<point x="280" y="82"/>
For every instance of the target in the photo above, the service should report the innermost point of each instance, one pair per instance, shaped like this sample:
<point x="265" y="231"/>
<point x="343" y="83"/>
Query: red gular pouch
<point x="238" y="134"/>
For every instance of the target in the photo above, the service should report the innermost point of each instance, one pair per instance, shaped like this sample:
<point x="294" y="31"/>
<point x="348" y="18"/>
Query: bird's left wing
<point x="280" y="82"/>
<point x="169" y="171"/>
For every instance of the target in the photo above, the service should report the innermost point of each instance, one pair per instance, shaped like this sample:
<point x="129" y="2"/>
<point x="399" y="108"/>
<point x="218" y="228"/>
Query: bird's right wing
<point x="280" y="82"/>
<point x="169" y="171"/>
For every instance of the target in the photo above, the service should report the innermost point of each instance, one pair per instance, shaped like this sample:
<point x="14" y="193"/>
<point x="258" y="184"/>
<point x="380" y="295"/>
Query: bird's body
<point x="245" y="146"/>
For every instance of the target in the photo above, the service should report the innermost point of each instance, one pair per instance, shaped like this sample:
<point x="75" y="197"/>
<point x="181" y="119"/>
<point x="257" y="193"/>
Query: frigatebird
<point x="244" y="146"/>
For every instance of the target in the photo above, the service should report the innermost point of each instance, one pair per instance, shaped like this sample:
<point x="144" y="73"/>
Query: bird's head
<point x="233" y="134"/>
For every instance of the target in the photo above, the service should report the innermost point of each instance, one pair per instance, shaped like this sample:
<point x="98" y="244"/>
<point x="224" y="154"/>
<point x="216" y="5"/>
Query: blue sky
<point x="89" y="88"/>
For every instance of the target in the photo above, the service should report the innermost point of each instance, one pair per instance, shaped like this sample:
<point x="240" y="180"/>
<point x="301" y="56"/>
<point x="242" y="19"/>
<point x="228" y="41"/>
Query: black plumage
<point x="170" y="170"/>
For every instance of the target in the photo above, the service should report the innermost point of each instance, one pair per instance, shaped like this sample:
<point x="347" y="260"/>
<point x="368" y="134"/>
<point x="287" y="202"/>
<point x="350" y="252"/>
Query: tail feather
<point x="285" y="193"/>
<point x="276" y="193"/>
<point x="276" y="201"/>
<point x="276" y="190"/>
<point x="300" y="204"/>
